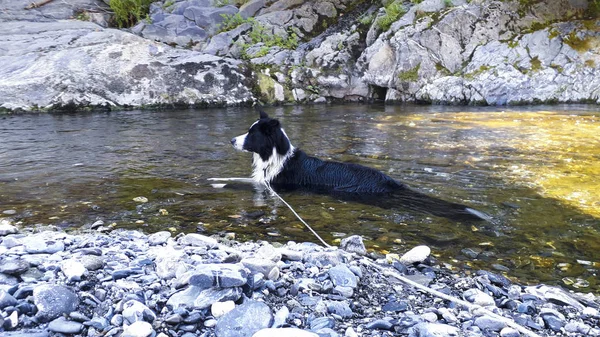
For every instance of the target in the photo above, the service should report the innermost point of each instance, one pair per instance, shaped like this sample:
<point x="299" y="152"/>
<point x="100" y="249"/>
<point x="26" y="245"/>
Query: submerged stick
<point x="37" y="4"/>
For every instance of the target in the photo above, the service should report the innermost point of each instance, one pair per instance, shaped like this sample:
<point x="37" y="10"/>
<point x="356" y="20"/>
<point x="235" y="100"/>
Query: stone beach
<point x="128" y="283"/>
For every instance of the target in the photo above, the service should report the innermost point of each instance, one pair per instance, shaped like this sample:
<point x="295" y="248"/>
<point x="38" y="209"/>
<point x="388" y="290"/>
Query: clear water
<point x="535" y="170"/>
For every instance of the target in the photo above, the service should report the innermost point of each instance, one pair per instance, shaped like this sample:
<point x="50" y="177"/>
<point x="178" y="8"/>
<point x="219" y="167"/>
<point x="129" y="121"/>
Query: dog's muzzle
<point x="238" y="142"/>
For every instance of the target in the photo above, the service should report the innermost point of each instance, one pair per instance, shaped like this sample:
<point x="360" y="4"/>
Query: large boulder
<point x="74" y="64"/>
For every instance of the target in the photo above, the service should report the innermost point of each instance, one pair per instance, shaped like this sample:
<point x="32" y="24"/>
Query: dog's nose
<point x="233" y="141"/>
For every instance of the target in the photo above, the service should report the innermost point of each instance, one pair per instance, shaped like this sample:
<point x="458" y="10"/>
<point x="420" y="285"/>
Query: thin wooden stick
<point x="37" y="4"/>
<point x="472" y="307"/>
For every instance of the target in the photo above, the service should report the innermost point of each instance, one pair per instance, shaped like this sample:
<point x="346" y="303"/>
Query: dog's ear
<point x="274" y="123"/>
<point x="261" y="112"/>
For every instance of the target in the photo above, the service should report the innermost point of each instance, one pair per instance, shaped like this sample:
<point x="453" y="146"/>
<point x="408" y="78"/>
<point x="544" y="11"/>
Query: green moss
<point x="590" y="63"/>
<point x="393" y="12"/>
<point x="558" y="68"/>
<point x="129" y="12"/>
<point x="416" y="2"/>
<point x="513" y="44"/>
<point x="577" y="43"/>
<point x="553" y="33"/>
<point x="473" y="74"/>
<point x="443" y="70"/>
<point x="536" y="64"/>
<point x="448" y="3"/>
<point x="411" y="75"/>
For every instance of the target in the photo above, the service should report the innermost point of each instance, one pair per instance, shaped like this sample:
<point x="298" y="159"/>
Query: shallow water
<point x="535" y="170"/>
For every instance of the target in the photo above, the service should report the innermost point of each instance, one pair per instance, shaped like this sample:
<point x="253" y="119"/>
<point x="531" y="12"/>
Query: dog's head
<point x="265" y="138"/>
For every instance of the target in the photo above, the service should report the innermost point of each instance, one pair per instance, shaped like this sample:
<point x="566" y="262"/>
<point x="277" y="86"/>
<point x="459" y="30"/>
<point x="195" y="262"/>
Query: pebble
<point x="6" y="300"/>
<point x="159" y="238"/>
<point x="244" y="320"/>
<point x="39" y="245"/>
<point x="284" y="332"/>
<point x="380" y="324"/>
<point x="61" y="325"/>
<point x="219" y="309"/>
<point x="354" y="244"/>
<point x="138" y="329"/>
<point x="134" y="311"/>
<point x="6" y="228"/>
<point x="53" y="300"/>
<point x="341" y="275"/>
<point x="73" y="270"/>
<point x="136" y="281"/>
<point x="13" y="266"/>
<point x="489" y="323"/>
<point x="509" y="332"/>
<point x="416" y="255"/>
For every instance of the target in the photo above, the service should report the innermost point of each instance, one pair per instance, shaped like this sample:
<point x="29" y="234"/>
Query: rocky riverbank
<point x="212" y="53"/>
<point x="127" y="283"/>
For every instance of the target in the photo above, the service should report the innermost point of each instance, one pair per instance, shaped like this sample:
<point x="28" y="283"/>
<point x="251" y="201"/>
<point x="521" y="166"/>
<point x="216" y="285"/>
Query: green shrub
<point x="393" y="11"/>
<point x="232" y="22"/>
<point x="128" y="12"/>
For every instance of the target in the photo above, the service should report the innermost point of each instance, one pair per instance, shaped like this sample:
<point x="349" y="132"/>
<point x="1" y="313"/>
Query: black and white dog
<point x="279" y="164"/>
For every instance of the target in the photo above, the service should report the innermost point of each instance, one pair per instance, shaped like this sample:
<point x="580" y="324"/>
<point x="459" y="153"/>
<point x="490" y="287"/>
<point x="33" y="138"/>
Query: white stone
<point x="73" y="269"/>
<point x="6" y="228"/>
<point x="138" y="329"/>
<point x="219" y="309"/>
<point x="415" y="255"/>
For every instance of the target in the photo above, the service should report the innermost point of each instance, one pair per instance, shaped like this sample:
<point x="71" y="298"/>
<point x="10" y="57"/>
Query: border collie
<point x="279" y="164"/>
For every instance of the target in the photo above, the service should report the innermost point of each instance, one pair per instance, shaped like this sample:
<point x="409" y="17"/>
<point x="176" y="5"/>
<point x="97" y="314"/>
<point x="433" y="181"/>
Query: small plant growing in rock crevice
<point x="393" y="12"/>
<point x="129" y="12"/>
<point x="411" y="75"/>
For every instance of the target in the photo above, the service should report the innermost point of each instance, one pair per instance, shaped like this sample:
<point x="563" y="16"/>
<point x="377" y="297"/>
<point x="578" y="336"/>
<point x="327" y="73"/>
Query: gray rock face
<point x="79" y="64"/>
<point x="466" y="55"/>
<point x="13" y="266"/>
<point x="53" y="301"/>
<point x="244" y="320"/>
<point x="341" y="275"/>
<point x="6" y="299"/>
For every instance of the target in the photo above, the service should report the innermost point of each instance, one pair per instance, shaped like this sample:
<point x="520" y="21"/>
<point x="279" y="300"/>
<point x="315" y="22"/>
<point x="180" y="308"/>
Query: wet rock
<point x="354" y="244"/>
<point x="244" y="320"/>
<point x="321" y="323"/>
<point x="53" y="300"/>
<point x="416" y="255"/>
<point x="61" y="325"/>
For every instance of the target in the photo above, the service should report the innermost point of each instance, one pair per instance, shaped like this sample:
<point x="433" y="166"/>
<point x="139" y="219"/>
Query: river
<point x="535" y="170"/>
